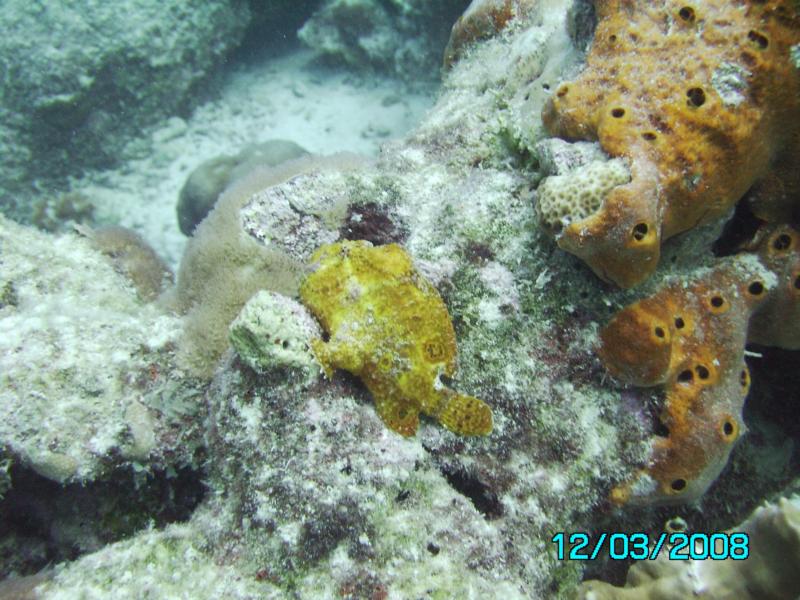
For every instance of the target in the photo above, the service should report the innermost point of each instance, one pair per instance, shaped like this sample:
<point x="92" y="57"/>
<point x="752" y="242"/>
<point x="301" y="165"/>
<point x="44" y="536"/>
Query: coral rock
<point x="482" y="19"/>
<point x="388" y="326"/>
<point x="273" y="332"/>
<point x="770" y="571"/>
<point x="205" y="184"/>
<point x="562" y="199"/>
<point x="702" y="99"/>
<point x="690" y="338"/>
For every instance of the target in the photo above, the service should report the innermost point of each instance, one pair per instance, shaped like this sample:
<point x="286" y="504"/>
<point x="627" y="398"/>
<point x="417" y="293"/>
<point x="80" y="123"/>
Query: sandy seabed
<point x="288" y="97"/>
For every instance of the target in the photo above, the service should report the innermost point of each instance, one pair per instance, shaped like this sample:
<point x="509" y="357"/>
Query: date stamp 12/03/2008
<point x="640" y="546"/>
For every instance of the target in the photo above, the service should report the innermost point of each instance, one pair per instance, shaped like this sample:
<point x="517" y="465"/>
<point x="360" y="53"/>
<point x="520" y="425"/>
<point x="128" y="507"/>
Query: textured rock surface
<point x="309" y="494"/>
<point x="208" y="180"/>
<point x="158" y="564"/>
<point x="116" y="69"/>
<point x="483" y="19"/>
<point x="85" y="381"/>
<point x="399" y="37"/>
<point x="563" y="199"/>
<point x="274" y="333"/>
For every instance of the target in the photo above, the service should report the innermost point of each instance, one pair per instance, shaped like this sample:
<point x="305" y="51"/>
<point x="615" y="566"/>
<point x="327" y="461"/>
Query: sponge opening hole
<point x="782" y="242"/>
<point x="678" y="485"/>
<point x="758" y="39"/>
<point x="696" y="97"/>
<point x="640" y="231"/>
<point x="686" y="13"/>
<point x="728" y="428"/>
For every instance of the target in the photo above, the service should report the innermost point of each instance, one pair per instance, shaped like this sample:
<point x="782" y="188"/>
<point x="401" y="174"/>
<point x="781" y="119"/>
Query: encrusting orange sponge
<point x="777" y="321"/>
<point x="703" y="100"/>
<point x="690" y="338"/>
<point x="389" y="327"/>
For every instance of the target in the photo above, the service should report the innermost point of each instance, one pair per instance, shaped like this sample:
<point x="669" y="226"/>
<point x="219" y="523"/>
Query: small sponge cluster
<point x="703" y="98"/>
<point x="564" y="199"/>
<point x="689" y="338"/>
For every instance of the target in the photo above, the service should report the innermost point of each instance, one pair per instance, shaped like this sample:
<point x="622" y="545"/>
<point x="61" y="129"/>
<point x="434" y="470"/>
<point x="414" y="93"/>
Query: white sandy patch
<point x="324" y="111"/>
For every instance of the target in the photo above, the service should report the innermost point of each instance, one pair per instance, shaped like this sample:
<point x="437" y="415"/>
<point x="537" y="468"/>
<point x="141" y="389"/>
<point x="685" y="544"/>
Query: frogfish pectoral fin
<point x="398" y="416"/>
<point x="464" y="415"/>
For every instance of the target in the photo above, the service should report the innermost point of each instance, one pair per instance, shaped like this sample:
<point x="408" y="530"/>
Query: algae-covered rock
<point x="158" y="564"/>
<point x="85" y="367"/>
<point x="310" y="485"/>
<point x="79" y="81"/>
<point x="404" y="38"/>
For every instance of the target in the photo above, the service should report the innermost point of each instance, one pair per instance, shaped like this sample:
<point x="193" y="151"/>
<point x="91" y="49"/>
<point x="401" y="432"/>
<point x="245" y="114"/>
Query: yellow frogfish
<point x="389" y="327"/>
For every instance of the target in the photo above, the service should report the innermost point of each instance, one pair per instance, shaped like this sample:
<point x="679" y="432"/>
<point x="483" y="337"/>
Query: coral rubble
<point x="702" y="100"/>
<point x="275" y="332"/>
<point x="388" y="325"/>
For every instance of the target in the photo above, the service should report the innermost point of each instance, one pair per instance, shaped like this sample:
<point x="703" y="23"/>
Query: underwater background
<point x="399" y="299"/>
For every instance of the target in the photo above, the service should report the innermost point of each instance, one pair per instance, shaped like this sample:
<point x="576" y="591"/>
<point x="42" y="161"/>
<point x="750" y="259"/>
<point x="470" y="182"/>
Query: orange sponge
<point x="690" y="338"/>
<point x="777" y="321"/>
<point x="703" y="99"/>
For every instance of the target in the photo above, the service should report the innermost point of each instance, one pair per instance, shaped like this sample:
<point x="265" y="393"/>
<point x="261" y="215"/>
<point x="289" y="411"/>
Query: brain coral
<point x="133" y="258"/>
<point x="388" y="326"/>
<point x="703" y="99"/>
<point x="690" y="338"/>
<point x="562" y="199"/>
